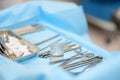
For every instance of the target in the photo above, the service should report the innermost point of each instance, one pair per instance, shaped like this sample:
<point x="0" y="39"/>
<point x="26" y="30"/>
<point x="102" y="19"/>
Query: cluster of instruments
<point x="15" y="47"/>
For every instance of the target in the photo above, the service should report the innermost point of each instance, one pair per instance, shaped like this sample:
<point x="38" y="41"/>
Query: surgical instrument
<point x="47" y="39"/>
<point x="84" y="62"/>
<point x="50" y="44"/>
<point x="73" y="57"/>
<point x="66" y="49"/>
<point x="27" y="29"/>
<point x="77" y="57"/>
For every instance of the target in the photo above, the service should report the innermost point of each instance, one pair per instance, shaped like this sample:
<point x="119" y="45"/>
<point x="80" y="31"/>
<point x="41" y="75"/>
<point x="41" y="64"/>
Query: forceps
<point x="68" y="59"/>
<point x="84" y="62"/>
<point x="79" y="54"/>
<point x="88" y="63"/>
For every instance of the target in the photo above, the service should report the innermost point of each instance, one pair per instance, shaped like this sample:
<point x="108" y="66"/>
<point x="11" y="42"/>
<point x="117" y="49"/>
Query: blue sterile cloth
<point x="65" y="19"/>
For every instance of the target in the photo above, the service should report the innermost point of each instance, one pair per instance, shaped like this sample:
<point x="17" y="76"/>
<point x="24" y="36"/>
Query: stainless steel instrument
<point x="73" y="57"/>
<point x="47" y="39"/>
<point x="86" y="63"/>
<point x="3" y="47"/>
<point x="77" y="57"/>
<point x="27" y="29"/>
<point x="66" y="49"/>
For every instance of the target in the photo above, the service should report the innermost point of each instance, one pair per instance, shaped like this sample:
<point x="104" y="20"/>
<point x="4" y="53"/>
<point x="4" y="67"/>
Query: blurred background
<point x="103" y="17"/>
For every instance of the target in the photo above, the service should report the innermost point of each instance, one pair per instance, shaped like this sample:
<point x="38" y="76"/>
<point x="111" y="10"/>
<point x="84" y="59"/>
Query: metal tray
<point x="31" y="47"/>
